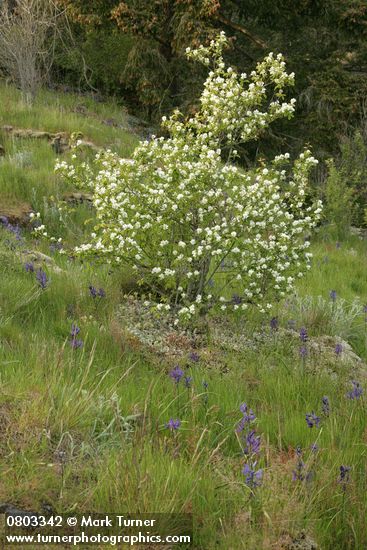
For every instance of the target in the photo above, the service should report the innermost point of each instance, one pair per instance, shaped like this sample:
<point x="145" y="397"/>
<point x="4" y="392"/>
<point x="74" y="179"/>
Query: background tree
<point x="25" y="48"/>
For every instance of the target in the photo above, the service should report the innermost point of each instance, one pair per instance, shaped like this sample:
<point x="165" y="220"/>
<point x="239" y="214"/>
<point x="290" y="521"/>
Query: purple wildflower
<point x="176" y="374"/>
<point x="101" y="293"/>
<point x="205" y="385"/>
<point x="75" y="343"/>
<point x="173" y="424"/>
<point x="333" y="295"/>
<point x="248" y="414"/>
<point x="356" y="392"/>
<point x="325" y="405"/>
<point x="312" y="420"/>
<point x="194" y="357"/>
<point x="55" y="246"/>
<point x="274" y="324"/>
<point x="247" y="418"/>
<point x="93" y="291"/>
<point x="344" y="476"/>
<point x="253" y="477"/>
<point x="303" y="352"/>
<point x="314" y="447"/>
<point x="29" y="267"/>
<point x="188" y="381"/>
<point x="41" y="278"/>
<point x="236" y="300"/>
<point x="74" y="331"/>
<point x="15" y="229"/>
<point x="338" y="349"/>
<point x="300" y="473"/>
<point x="252" y="443"/>
<point x="303" y="334"/>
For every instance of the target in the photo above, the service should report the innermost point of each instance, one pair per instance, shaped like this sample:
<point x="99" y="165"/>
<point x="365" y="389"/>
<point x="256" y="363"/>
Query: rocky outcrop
<point x="16" y="214"/>
<point x="78" y="198"/>
<point x="60" y="141"/>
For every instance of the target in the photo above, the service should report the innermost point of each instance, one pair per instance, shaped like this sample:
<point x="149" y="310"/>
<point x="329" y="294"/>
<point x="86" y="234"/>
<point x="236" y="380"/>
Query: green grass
<point x="106" y="404"/>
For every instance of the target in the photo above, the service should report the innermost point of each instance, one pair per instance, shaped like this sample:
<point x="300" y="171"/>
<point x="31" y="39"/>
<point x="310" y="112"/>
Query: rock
<point x="322" y="356"/>
<point x="89" y="145"/>
<point x="16" y="214"/>
<point x="360" y="232"/>
<point x="60" y="144"/>
<point x="302" y="542"/>
<point x="38" y="259"/>
<point x="6" y="508"/>
<point x="78" y="198"/>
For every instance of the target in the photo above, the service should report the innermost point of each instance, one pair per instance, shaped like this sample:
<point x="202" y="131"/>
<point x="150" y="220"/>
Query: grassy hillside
<point x="83" y="427"/>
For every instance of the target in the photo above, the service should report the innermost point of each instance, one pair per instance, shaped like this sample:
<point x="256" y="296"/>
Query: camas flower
<point x="92" y="291"/>
<point x="29" y="267"/>
<point x="173" y="425"/>
<point x="75" y="330"/>
<point x="42" y="278"/>
<point x="303" y="334"/>
<point x="338" y="349"/>
<point x="248" y="416"/>
<point x="325" y="405"/>
<point x="188" y="381"/>
<point x="344" y="476"/>
<point x="312" y="420"/>
<point x="356" y="392"/>
<point x="252" y="443"/>
<point x="253" y="476"/>
<point x="176" y="374"/>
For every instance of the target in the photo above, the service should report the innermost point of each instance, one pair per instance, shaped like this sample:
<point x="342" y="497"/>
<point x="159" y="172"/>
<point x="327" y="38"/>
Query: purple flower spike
<point x="344" y="476"/>
<point x="333" y="295"/>
<point x="176" y="374"/>
<point x="75" y="343"/>
<point x="303" y="352"/>
<point x="194" y="357"/>
<point x="236" y="300"/>
<point x="74" y="331"/>
<point x="314" y="448"/>
<point x="312" y="420"/>
<point x="93" y="291"/>
<point x="252" y="443"/>
<point x="303" y="334"/>
<point x="188" y="381"/>
<point x="325" y="405"/>
<point x="173" y="424"/>
<point x="274" y="324"/>
<point x="356" y="392"/>
<point x="29" y="267"/>
<point x="253" y="477"/>
<point x="338" y="349"/>
<point x="41" y="278"/>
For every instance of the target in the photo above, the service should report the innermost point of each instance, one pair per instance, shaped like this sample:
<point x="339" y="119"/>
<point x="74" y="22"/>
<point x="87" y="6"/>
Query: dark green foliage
<point x="324" y="42"/>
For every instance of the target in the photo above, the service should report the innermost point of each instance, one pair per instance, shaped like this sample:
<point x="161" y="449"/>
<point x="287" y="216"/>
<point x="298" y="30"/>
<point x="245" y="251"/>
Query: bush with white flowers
<point x="199" y="231"/>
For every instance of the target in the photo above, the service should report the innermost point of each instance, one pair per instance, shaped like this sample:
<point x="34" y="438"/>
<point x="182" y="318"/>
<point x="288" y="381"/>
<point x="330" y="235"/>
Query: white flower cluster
<point x="198" y="230"/>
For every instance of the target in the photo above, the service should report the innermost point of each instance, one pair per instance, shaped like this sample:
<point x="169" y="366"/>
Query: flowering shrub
<point x="195" y="227"/>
